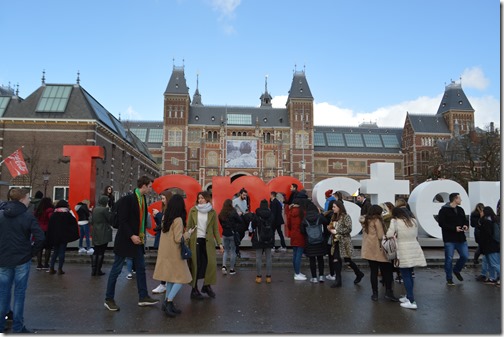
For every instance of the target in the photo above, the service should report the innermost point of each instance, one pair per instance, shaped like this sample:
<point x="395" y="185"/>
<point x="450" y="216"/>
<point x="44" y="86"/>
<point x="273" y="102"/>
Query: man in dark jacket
<point x="364" y="203"/>
<point x="17" y="228"/>
<point x="129" y="242"/>
<point x="454" y="224"/>
<point x="278" y="220"/>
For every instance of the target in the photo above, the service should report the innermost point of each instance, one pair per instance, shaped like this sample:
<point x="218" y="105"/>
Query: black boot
<point x="374" y="297"/>
<point x="47" y="256"/>
<point x="99" y="263"/>
<point x="389" y="295"/>
<point x="169" y="309"/>
<point x="208" y="290"/>
<point x="39" y="260"/>
<point x="195" y="294"/>
<point x="93" y="264"/>
<point x="175" y="309"/>
<point x="337" y="275"/>
<point x="359" y="275"/>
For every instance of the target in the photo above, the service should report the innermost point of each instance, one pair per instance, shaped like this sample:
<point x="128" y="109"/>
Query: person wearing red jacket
<point x="297" y="212"/>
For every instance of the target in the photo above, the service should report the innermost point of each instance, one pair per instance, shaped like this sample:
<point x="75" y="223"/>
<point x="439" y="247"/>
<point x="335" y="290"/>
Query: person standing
<point x="373" y="230"/>
<point x="409" y="252"/>
<point x="474" y="218"/>
<point x="490" y="243"/>
<point x="109" y="192"/>
<point x="329" y="197"/>
<point x="454" y="224"/>
<point x="205" y="236"/>
<point x="229" y="220"/>
<point x="364" y="203"/>
<point x="328" y="215"/>
<point x="17" y="229"/>
<point x="129" y="242"/>
<point x="297" y="213"/>
<point x="263" y="239"/>
<point x="102" y="234"/>
<point x="293" y="194"/>
<point x="158" y="218"/>
<point x="170" y="266"/>
<point x="83" y="214"/>
<point x="240" y="203"/>
<point x="278" y="220"/>
<point x="315" y="251"/>
<point x="342" y="249"/>
<point x="43" y="213"/>
<point x="62" y="229"/>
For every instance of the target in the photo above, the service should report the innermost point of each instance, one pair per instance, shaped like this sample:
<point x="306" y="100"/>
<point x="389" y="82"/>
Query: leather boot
<point x="389" y="295"/>
<point x="175" y="309"/>
<point x="359" y="275"/>
<point x="52" y="271"/>
<point x="99" y="263"/>
<point x="60" y="271"/>
<point x="195" y="294"/>
<point x="169" y="309"/>
<point x="93" y="265"/>
<point x="208" y="290"/>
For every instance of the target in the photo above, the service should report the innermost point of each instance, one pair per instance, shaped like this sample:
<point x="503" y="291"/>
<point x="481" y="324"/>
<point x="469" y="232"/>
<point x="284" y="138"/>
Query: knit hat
<point x="328" y="193"/>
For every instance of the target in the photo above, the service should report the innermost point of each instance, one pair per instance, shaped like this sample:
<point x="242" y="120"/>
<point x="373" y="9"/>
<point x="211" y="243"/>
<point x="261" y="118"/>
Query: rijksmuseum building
<point x="203" y="141"/>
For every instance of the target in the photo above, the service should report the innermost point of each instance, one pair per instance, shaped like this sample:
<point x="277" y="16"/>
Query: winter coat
<point x="343" y="229"/>
<point x="297" y="238"/>
<point x="63" y="227"/>
<point x="319" y="249"/>
<point x="475" y="217"/>
<point x="449" y="218"/>
<point x="276" y="210"/>
<point x="409" y="252"/>
<point x="83" y="213"/>
<point x="212" y="239"/>
<point x="365" y="206"/>
<point x="487" y="243"/>
<point x="371" y="241"/>
<point x="231" y="223"/>
<point x="43" y="219"/>
<point x="170" y="266"/>
<point x="327" y="202"/>
<point x="267" y="216"/>
<point x="102" y="231"/>
<point x="128" y="214"/>
<point x="17" y="226"/>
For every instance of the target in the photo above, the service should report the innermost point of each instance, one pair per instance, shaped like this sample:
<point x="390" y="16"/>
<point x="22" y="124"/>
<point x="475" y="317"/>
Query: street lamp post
<point x="46" y="175"/>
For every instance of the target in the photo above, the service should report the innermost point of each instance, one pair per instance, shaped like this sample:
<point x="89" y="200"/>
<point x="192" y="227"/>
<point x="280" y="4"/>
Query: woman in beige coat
<point x="170" y="266"/>
<point x="372" y="233"/>
<point x="203" y="220"/>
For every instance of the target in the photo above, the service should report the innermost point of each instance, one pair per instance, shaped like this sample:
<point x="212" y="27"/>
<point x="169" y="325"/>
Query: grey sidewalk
<point x="73" y="303"/>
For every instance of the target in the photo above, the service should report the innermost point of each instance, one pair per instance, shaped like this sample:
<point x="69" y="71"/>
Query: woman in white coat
<point x="409" y="252"/>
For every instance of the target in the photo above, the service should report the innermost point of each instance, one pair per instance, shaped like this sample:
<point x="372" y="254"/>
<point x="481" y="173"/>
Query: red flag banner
<point x="16" y="164"/>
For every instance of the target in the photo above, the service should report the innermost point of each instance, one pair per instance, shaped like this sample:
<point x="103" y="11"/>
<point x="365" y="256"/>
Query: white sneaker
<point x="313" y="280"/>
<point x="321" y="278"/>
<point x="403" y="299"/>
<point x="161" y="288"/>
<point x="409" y="305"/>
<point x="82" y="250"/>
<point x="330" y="277"/>
<point x="282" y="249"/>
<point x="302" y="274"/>
<point x="129" y="276"/>
<point x="224" y="270"/>
<point x="299" y="277"/>
<point x="90" y="251"/>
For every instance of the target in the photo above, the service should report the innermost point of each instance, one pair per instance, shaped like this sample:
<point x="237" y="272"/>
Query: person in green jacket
<point x="102" y="234"/>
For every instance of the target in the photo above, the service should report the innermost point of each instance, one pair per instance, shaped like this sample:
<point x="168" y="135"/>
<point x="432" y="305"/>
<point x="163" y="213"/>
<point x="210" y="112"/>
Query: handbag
<point x="237" y="239"/>
<point x="184" y="250"/>
<point x="389" y="247"/>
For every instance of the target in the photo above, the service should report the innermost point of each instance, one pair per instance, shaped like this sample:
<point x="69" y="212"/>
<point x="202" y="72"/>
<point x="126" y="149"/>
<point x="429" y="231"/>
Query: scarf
<point x="204" y="208"/>
<point x="141" y="206"/>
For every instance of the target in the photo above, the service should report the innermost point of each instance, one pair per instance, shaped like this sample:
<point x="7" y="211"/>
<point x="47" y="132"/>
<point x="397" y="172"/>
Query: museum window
<point x="174" y="138"/>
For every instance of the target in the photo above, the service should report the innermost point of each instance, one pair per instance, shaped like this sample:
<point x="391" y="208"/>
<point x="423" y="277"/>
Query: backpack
<point x="265" y="232"/>
<point x="314" y="232"/>
<point x="389" y="247"/>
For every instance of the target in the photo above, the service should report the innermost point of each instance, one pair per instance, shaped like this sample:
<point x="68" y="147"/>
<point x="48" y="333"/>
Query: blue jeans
<point x="129" y="264"/>
<point x="84" y="232"/>
<point x="17" y="276"/>
<point x="59" y="252"/>
<point x="171" y="290"/>
<point x="139" y="261"/>
<point x="484" y="267"/>
<point x="297" y="254"/>
<point x="493" y="262"/>
<point x="229" y="249"/>
<point x="463" y="251"/>
<point x="407" y="276"/>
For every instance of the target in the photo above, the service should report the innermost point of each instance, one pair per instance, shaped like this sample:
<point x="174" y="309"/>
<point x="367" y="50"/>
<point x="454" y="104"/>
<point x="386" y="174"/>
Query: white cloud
<point x="226" y="10"/>
<point x="326" y="114"/>
<point x="131" y="114"/>
<point x="474" y="78"/>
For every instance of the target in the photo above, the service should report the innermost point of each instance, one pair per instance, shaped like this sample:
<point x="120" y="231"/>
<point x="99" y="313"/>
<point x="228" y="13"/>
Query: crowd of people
<point x="314" y="232"/>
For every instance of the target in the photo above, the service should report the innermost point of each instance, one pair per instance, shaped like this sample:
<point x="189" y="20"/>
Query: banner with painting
<point x="241" y="154"/>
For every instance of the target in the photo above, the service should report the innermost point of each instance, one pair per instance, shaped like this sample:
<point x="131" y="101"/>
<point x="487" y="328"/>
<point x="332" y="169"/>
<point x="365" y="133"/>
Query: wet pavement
<point x="73" y="303"/>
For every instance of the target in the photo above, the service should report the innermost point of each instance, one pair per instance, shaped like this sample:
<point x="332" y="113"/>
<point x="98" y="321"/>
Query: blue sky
<point x="364" y="60"/>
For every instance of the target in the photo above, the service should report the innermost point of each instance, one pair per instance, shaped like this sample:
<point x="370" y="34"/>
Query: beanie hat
<point x="328" y="193"/>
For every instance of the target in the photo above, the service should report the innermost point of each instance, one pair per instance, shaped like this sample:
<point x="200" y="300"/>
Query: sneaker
<point x="313" y="280"/>
<point x="8" y="316"/>
<point x="82" y="250"/>
<point x="161" y="288"/>
<point x="481" y="278"/>
<point x="282" y="249"/>
<point x="232" y="271"/>
<point x="299" y="277"/>
<point x="90" y="251"/>
<point x="409" y="305"/>
<point x="321" y="279"/>
<point x="258" y="279"/>
<point x="268" y="278"/>
<point x="302" y="274"/>
<point x="450" y="283"/>
<point x="490" y="281"/>
<point x="147" y="301"/>
<point x="224" y="270"/>
<point x="458" y="276"/>
<point x="111" y="305"/>
<point x="129" y="276"/>
<point x="497" y="284"/>
<point x="403" y="299"/>
<point x="330" y="277"/>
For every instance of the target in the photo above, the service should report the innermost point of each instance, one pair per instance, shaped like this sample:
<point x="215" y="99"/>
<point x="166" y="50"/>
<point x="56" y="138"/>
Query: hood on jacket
<point x="14" y="208"/>
<point x="103" y="201"/>
<point x="263" y="212"/>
